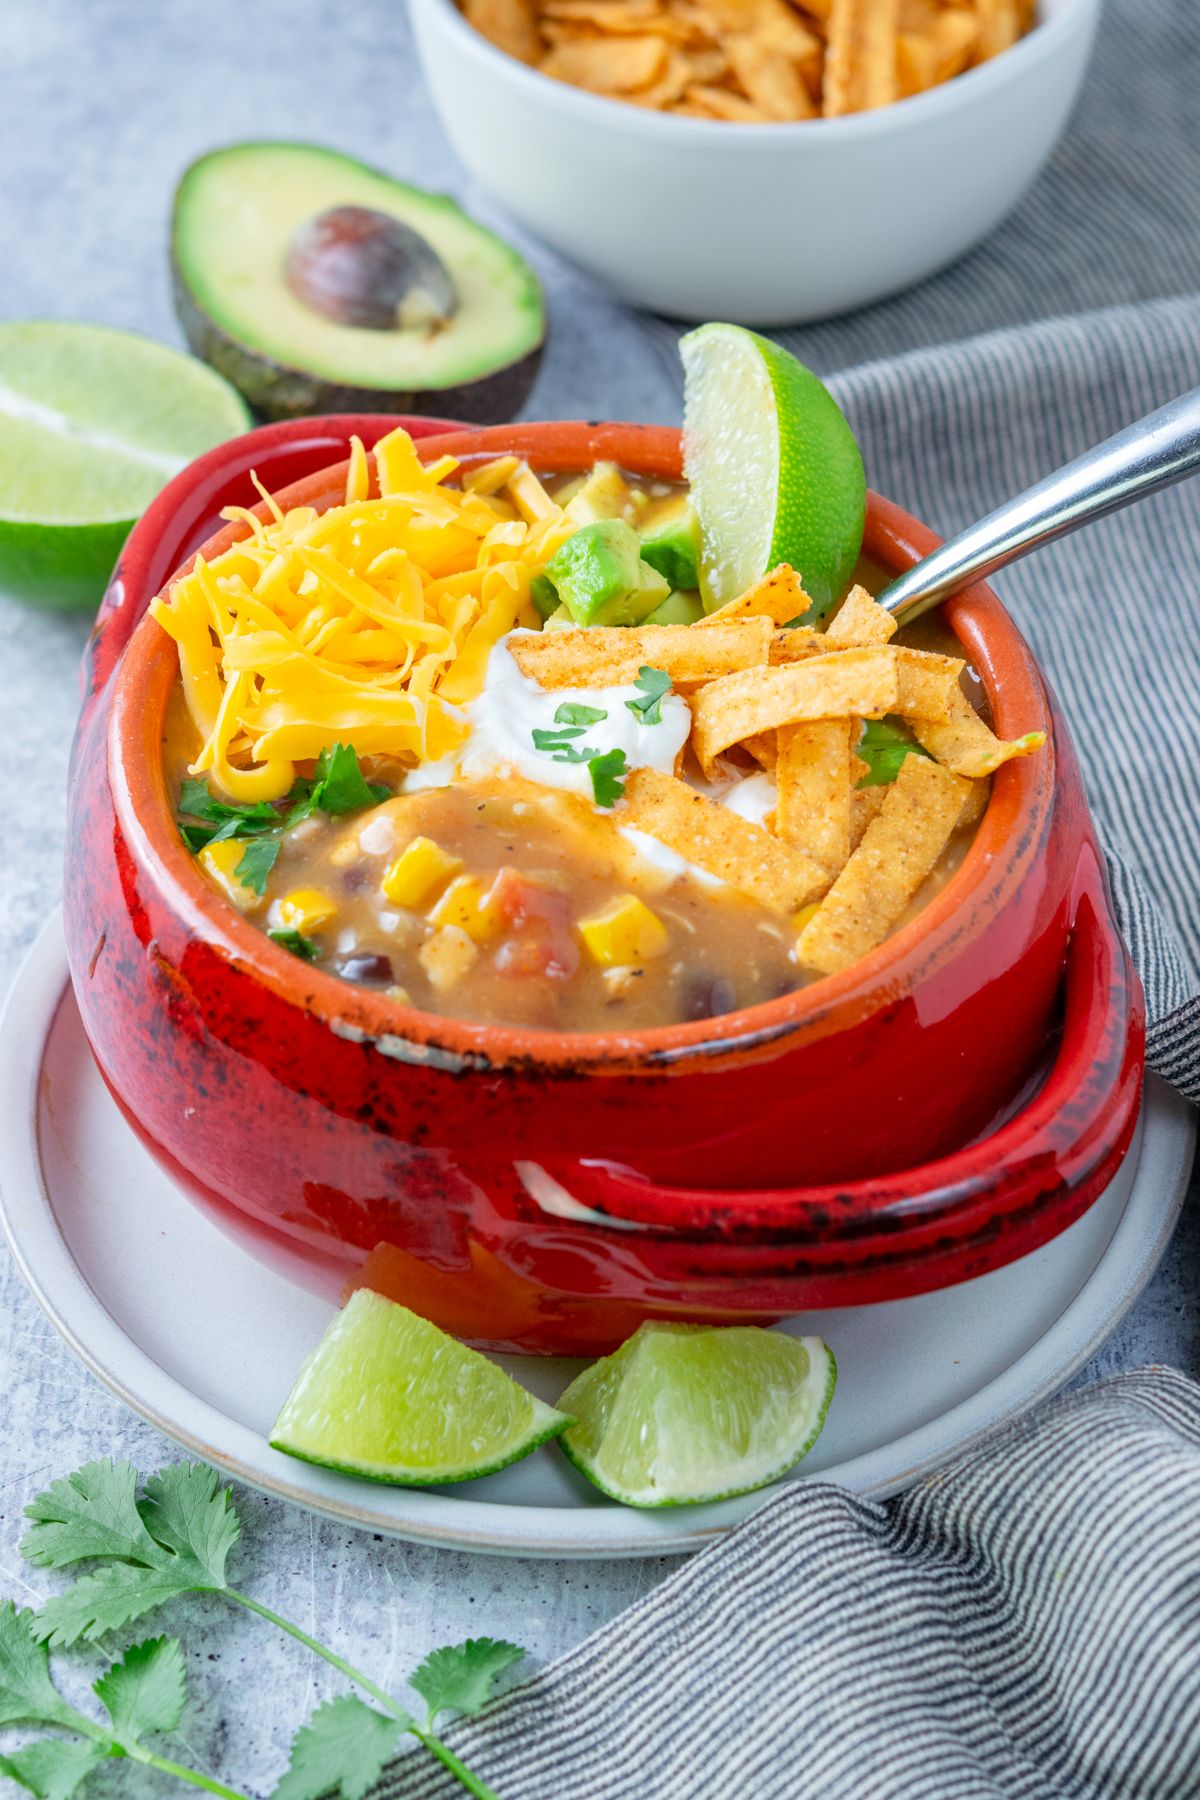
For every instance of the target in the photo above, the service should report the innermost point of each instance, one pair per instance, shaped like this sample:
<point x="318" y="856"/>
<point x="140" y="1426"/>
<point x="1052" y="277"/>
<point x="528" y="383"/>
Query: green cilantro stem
<point x="193" y="1775"/>
<point x="331" y="1656"/>
<point x="431" y="1741"/>
<point x="446" y="1756"/>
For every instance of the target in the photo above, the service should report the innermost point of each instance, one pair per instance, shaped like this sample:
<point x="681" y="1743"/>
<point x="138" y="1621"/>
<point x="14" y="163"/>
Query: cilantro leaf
<point x="197" y="836"/>
<point x="340" y="1751"/>
<point x="186" y="1510"/>
<point x="144" y="1691"/>
<point x="297" y="943"/>
<point x="461" y="1675"/>
<point x="553" y="740"/>
<point x="605" y="771"/>
<point x="883" y="748"/>
<point x="572" y="753"/>
<point x="26" y="1690"/>
<point x="341" y="786"/>
<point x="90" y="1513"/>
<point x="114" y="1596"/>
<point x="257" y="863"/>
<point x="196" y="800"/>
<point x="572" y="713"/>
<point x="654" y="683"/>
<point x="52" y="1768"/>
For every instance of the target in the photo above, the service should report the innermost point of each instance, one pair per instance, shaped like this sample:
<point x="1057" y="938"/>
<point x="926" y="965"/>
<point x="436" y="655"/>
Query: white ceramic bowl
<point x="759" y="224"/>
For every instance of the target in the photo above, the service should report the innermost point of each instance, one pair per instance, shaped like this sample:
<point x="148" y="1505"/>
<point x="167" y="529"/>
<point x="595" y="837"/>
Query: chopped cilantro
<point x="257" y="863"/>
<point x="654" y="683"/>
<point x="198" y="803"/>
<point x="196" y="837"/>
<point x="340" y="785"/>
<point x="791" y="624"/>
<point x="572" y="713"/>
<point x="883" y="748"/>
<point x="297" y="943"/>
<point x="553" y="740"/>
<point x="606" y="772"/>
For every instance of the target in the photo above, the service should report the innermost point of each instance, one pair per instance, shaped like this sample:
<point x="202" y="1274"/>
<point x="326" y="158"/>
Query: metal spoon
<point x="1159" y="450"/>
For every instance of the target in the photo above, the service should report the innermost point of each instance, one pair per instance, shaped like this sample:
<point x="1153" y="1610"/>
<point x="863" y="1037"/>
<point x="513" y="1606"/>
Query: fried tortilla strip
<point x="860" y="56"/>
<point x="812" y="813"/>
<point x="778" y="595"/>
<point x="926" y="683"/>
<point x="763" y="748"/>
<point x="999" y="26"/>
<point x="611" y="655"/>
<point x="796" y="645"/>
<point x="897" y="852"/>
<point x="859" y="622"/>
<point x="716" y="839"/>
<point x="509" y="24"/>
<point x="721" y="103"/>
<point x="769" y="77"/>
<point x="962" y="741"/>
<point x="941" y="50"/>
<point x="975" y="804"/>
<point x="864" y="808"/>
<point x="605" y="65"/>
<point x="823" y="687"/>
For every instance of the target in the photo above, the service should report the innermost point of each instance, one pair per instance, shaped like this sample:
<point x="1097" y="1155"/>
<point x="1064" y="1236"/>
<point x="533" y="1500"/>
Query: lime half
<point x="92" y="424"/>
<point x="684" y="1413"/>
<point x="387" y="1395"/>
<point x="775" y="473"/>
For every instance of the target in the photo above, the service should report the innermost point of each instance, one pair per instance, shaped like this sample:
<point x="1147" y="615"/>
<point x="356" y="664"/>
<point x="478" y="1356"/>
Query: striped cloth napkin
<point x="1025" y="1626"/>
<point x="1027" y="1623"/>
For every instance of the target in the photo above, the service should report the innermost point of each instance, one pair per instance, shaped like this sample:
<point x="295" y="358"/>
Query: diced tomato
<point x="539" y="941"/>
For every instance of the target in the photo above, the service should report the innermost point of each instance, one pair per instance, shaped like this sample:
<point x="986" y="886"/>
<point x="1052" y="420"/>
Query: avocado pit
<point x="367" y="269"/>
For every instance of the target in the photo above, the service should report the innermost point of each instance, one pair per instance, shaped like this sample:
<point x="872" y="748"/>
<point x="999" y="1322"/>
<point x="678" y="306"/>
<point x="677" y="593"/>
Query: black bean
<point x="376" y="969"/>
<point x="703" y="998"/>
<point x="355" y="878"/>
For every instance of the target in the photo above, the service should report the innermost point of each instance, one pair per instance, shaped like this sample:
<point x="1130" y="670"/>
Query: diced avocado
<point x="604" y="495"/>
<point x="601" y="577"/>
<point x="560" y="621"/>
<point x="671" y="542"/>
<point x="677" y="609"/>
<point x="544" y="595"/>
<point x="316" y="284"/>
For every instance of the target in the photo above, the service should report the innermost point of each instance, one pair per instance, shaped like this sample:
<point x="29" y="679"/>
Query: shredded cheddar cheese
<point x="369" y="624"/>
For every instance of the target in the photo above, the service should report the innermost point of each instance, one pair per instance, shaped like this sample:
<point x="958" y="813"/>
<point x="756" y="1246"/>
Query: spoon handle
<point x="1158" y="450"/>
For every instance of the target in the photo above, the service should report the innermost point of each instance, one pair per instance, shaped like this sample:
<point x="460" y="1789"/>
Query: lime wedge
<point x="684" y="1413"/>
<point x="92" y="424"/>
<point x="387" y="1395"/>
<point x="775" y="473"/>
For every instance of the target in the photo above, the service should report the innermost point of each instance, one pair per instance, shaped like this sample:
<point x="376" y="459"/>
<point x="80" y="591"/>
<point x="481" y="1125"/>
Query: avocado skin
<point x="272" y="391"/>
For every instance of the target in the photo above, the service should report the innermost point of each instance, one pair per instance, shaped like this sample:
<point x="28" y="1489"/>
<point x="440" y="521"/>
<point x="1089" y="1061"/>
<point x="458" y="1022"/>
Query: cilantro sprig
<point x="655" y="685"/>
<point x="148" y="1549"/>
<point x="337" y="786"/>
<point x="605" y="766"/>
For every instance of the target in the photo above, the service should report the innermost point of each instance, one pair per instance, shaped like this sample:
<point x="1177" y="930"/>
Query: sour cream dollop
<point x="512" y="706"/>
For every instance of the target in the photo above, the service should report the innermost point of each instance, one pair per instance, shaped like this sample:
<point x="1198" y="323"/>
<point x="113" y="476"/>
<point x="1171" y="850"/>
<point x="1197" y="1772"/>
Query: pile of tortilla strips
<point x="842" y="859"/>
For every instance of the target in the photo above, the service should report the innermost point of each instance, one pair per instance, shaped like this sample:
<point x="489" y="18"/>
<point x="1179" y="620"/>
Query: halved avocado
<point x="238" y="213"/>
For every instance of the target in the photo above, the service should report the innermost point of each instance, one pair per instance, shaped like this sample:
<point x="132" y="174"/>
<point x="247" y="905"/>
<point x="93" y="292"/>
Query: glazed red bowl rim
<point x="147" y="670"/>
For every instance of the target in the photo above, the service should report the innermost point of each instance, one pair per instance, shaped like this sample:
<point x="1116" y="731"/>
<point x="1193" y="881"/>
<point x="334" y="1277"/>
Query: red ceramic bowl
<point x="946" y="1105"/>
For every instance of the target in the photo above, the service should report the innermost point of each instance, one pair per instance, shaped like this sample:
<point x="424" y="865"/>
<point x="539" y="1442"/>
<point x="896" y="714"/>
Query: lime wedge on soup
<point x="93" y="423"/>
<point x="775" y="473"/>
<point x="685" y="1413"/>
<point x="387" y="1395"/>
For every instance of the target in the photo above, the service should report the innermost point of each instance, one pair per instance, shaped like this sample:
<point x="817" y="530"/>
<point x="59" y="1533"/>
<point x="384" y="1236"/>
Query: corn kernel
<point x="625" y="932"/>
<point x="446" y="956"/>
<point x="306" y="910"/>
<point x="219" y="861"/>
<point x="805" y="914"/>
<point x="465" y="903"/>
<point x="421" y="869"/>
